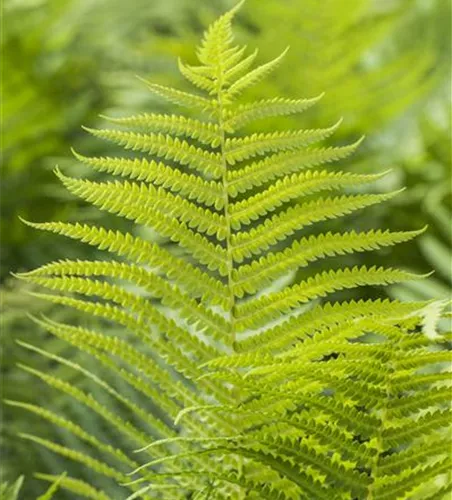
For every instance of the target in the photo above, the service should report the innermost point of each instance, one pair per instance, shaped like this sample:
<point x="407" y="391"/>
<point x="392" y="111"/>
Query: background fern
<point x="11" y="491"/>
<point x="218" y="338"/>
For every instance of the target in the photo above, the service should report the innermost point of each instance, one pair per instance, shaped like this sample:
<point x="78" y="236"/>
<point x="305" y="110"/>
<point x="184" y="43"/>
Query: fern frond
<point x="96" y="343"/>
<point x="422" y="358"/>
<point x="185" y="99"/>
<point x="170" y="295"/>
<point x="413" y="381"/>
<point x="80" y="457"/>
<point x="216" y="44"/>
<point x="413" y="457"/>
<point x="236" y="70"/>
<point x="140" y="251"/>
<point x="398" y="486"/>
<point x="421" y="400"/>
<point x="260" y="386"/>
<point x="101" y="346"/>
<point x="211" y="255"/>
<point x="122" y="426"/>
<point x="197" y="77"/>
<point x="163" y="394"/>
<point x="404" y="431"/>
<point x="146" y="202"/>
<point x="128" y="301"/>
<point x="76" y="430"/>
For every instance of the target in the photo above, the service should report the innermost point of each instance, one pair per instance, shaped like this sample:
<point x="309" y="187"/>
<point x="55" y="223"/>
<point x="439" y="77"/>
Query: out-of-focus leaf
<point x="10" y="491"/>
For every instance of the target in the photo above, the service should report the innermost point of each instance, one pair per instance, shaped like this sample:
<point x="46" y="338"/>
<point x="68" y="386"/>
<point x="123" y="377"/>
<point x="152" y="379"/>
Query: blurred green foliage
<point x="384" y="66"/>
<point x="10" y="491"/>
<point x="57" y="57"/>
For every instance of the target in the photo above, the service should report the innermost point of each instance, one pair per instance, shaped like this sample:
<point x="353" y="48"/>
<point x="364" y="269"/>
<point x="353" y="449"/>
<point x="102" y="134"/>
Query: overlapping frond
<point x="260" y="386"/>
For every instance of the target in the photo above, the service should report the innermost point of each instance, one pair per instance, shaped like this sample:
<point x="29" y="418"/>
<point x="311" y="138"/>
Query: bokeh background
<point x="384" y="66"/>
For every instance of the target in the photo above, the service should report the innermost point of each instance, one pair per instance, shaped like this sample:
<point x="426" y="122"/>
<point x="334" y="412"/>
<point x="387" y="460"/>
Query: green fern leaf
<point x="251" y="277"/>
<point x="183" y="98"/>
<point x="178" y="125"/>
<point x="247" y="113"/>
<point x="276" y="166"/>
<point x="191" y="186"/>
<point x="166" y="147"/>
<point x="278" y="227"/>
<point x="259" y="144"/>
<point x="290" y="187"/>
<point x="261" y="386"/>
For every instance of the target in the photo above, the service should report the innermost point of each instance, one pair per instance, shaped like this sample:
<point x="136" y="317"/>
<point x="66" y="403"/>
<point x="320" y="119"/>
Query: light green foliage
<point x="332" y="44"/>
<point x="11" y="491"/>
<point x="39" y="117"/>
<point x="57" y="56"/>
<point x="17" y="455"/>
<point x="261" y="388"/>
<point x="430" y="177"/>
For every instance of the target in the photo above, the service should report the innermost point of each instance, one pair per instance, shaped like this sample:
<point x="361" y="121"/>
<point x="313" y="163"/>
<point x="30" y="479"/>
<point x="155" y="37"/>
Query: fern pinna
<point x="260" y="388"/>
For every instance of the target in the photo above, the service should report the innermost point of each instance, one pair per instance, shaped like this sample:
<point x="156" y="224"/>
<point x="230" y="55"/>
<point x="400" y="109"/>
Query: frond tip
<point x="260" y="386"/>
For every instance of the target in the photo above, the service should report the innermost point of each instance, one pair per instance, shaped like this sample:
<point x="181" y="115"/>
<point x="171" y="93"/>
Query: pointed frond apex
<point x="218" y="38"/>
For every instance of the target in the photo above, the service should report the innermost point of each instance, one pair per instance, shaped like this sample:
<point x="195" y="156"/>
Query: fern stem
<point x="227" y="215"/>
